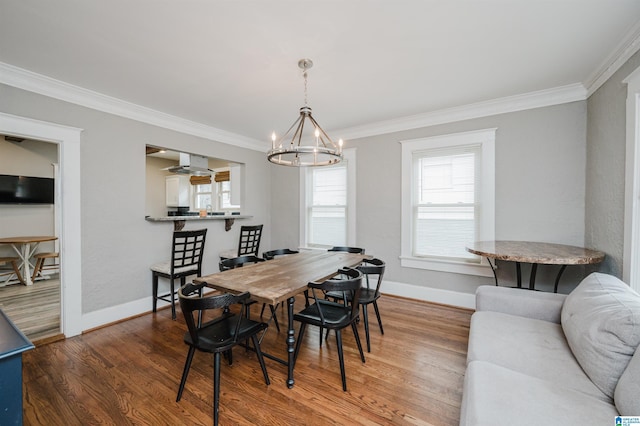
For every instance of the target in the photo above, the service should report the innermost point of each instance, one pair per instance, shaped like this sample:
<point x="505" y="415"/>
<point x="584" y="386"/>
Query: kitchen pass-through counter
<point x="179" y="221"/>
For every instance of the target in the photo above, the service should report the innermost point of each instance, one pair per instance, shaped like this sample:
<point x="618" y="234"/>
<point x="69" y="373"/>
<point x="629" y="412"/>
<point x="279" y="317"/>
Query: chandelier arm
<point x="289" y="130"/>
<point x="300" y="130"/>
<point x="322" y="132"/>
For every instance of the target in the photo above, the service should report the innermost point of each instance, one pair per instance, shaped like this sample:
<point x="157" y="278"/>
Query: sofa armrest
<point x="520" y="302"/>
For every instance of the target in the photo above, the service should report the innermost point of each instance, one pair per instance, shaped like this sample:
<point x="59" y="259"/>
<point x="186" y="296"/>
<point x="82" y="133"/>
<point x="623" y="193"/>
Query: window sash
<point x="327" y="226"/>
<point x="445" y="186"/>
<point x="224" y="196"/>
<point x="445" y="236"/>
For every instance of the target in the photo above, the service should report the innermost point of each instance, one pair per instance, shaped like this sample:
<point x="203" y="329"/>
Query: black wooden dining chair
<point x="186" y="260"/>
<point x="374" y="269"/>
<point x="217" y="336"/>
<point x="356" y="250"/>
<point x="332" y="315"/>
<point x="238" y="262"/>
<point x="271" y="254"/>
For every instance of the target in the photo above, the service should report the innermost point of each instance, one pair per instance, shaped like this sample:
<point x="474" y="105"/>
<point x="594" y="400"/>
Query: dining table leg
<point x="25" y="252"/>
<point x="290" y="342"/>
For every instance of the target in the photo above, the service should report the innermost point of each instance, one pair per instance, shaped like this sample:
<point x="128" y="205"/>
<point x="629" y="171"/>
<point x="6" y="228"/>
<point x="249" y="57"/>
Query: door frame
<point x="67" y="207"/>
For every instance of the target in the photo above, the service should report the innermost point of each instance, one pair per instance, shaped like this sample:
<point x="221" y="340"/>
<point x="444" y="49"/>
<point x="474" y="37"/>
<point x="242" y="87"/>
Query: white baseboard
<point x="131" y="309"/>
<point x="116" y="313"/>
<point x="445" y="297"/>
<point x="120" y="312"/>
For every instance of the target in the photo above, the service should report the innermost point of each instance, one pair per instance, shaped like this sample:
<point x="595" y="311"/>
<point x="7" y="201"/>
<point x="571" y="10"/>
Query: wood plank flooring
<point x="128" y="373"/>
<point x="34" y="309"/>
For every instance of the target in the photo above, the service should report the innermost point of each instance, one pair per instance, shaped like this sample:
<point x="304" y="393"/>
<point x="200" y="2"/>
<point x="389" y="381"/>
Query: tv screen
<point x="26" y="190"/>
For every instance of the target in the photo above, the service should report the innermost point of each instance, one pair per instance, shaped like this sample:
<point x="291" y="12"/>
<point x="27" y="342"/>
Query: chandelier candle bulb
<point x="273" y="140"/>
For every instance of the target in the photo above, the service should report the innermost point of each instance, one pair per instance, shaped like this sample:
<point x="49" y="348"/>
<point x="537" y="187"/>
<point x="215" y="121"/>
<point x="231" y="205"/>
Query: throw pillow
<point x="601" y="320"/>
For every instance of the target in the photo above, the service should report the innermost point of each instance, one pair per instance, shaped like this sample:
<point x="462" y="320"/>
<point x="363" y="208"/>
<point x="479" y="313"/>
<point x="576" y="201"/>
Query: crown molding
<point x="538" y="99"/>
<point x="627" y="48"/>
<point x="43" y="85"/>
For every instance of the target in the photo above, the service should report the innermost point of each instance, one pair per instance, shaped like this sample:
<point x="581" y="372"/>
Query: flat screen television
<point x="26" y="190"/>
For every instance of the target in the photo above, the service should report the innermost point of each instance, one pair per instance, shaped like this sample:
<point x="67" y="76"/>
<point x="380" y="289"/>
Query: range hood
<point x="191" y="164"/>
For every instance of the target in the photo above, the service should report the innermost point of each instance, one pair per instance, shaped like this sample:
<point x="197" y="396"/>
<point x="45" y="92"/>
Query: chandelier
<point x="308" y="144"/>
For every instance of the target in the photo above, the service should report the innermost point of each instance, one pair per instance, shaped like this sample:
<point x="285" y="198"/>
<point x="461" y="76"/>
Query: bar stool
<point x="40" y="263"/>
<point x="15" y="270"/>
<point x="248" y="245"/>
<point x="186" y="259"/>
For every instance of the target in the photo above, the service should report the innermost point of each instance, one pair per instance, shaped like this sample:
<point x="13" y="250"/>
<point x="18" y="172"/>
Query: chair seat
<point x="367" y="295"/>
<point x="217" y="335"/>
<point x="335" y="314"/>
<point x="228" y="254"/>
<point x="165" y="268"/>
<point x="46" y="255"/>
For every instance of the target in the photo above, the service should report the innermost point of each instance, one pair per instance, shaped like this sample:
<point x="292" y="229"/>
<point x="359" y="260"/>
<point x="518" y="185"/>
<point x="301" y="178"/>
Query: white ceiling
<point x="232" y="65"/>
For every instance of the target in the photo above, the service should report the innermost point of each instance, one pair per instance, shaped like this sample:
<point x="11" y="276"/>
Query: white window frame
<point x="195" y="193"/>
<point x="631" y="253"/>
<point x="486" y="224"/>
<point x="218" y="196"/>
<point x="349" y="156"/>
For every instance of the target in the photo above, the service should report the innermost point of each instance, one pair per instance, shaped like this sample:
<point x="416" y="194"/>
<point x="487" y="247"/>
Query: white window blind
<point x="327" y="210"/>
<point x="445" y="208"/>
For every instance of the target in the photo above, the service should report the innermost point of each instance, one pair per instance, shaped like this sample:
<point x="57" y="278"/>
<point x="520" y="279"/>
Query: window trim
<point x="349" y="156"/>
<point x="631" y="244"/>
<point x="486" y="139"/>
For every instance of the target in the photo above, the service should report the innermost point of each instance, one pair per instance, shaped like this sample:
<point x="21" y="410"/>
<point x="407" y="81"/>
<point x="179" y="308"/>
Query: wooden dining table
<point x="281" y="279"/>
<point x="25" y="247"/>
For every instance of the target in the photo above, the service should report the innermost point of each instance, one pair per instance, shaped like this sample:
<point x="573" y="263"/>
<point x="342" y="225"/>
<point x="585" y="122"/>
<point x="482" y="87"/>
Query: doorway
<point x="68" y="209"/>
<point x="29" y="170"/>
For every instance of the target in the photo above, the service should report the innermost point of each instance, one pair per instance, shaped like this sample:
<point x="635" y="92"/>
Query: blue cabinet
<point x="12" y="344"/>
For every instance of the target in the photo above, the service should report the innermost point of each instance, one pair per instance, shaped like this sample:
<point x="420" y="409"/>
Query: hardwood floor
<point x="34" y="309"/>
<point x="128" y="373"/>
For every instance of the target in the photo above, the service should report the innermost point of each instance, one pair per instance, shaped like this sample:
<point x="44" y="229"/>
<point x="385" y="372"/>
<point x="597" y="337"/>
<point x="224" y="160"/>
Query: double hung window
<point x="447" y="200"/>
<point x="327" y="204"/>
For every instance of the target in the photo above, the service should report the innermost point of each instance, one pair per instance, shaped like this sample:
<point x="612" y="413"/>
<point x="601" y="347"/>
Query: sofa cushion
<point x="628" y="389"/>
<point x="534" y="347"/>
<point x="601" y="319"/>
<point x="495" y="395"/>
<point x="523" y="303"/>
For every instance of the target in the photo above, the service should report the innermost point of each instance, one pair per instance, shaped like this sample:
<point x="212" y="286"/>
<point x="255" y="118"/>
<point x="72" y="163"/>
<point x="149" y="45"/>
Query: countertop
<point x="179" y="221"/>
<point x="209" y="217"/>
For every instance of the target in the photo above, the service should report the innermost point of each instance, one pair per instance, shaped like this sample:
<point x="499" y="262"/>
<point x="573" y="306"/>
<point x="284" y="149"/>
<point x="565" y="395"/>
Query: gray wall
<point x="540" y="192"/>
<point x="118" y="245"/>
<point x="606" y="145"/>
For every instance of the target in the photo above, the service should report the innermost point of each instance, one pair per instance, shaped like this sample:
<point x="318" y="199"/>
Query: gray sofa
<point x="539" y="358"/>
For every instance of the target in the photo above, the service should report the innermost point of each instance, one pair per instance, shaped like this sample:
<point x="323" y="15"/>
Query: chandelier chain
<point x="304" y="74"/>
